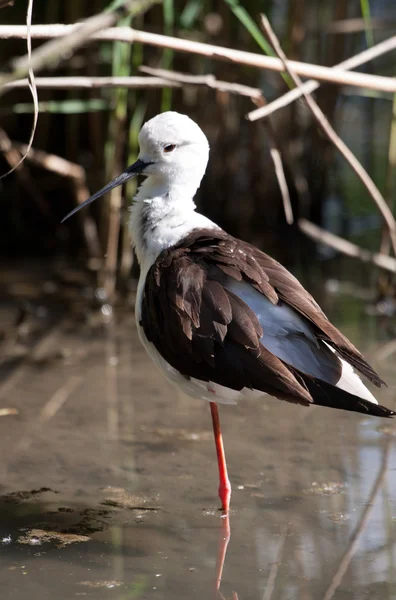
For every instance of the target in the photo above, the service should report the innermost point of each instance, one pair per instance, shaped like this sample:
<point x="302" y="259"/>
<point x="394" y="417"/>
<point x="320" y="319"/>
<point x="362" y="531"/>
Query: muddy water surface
<point x="108" y="484"/>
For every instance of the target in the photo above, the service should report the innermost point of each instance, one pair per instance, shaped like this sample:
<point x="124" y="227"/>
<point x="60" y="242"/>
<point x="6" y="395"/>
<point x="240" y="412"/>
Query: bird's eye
<point x="169" y="148"/>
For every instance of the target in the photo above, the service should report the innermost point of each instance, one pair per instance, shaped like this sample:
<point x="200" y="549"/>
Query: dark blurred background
<point x="96" y="131"/>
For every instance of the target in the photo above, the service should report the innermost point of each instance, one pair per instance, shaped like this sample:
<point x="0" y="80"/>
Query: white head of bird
<point x="176" y="151"/>
<point x="173" y="156"/>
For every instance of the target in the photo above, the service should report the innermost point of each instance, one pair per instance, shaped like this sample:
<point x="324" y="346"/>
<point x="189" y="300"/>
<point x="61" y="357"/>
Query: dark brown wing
<point x="207" y="332"/>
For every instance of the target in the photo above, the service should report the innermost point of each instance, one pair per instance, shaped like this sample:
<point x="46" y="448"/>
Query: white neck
<point x="161" y="216"/>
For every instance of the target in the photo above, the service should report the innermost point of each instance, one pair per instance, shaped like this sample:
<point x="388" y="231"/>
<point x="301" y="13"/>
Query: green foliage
<point x="190" y="13"/>
<point x="250" y="25"/>
<point x="66" y="107"/>
<point x="366" y="14"/>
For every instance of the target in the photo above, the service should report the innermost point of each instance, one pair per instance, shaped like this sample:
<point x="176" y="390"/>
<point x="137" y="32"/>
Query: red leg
<point x="225" y="486"/>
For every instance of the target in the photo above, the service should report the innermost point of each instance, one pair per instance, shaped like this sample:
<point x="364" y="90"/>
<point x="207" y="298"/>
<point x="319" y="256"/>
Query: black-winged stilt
<point x="220" y="318"/>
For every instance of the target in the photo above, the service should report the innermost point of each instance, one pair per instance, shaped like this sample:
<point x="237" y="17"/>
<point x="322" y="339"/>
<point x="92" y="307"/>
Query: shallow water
<point x="109" y="483"/>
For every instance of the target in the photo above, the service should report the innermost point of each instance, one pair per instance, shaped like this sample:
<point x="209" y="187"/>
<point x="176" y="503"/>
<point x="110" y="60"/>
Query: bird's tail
<point x="325" y="394"/>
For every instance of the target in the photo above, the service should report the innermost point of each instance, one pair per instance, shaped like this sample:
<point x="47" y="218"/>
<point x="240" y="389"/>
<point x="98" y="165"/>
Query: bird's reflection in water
<point x="224" y="538"/>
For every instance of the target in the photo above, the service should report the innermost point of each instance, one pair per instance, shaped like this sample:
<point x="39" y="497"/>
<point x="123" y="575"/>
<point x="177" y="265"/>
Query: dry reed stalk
<point x="280" y="175"/>
<point x="129" y="35"/>
<point x="208" y="81"/>
<point x="388" y="263"/>
<point x="94" y="82"/>
<point x="357" y="25"/>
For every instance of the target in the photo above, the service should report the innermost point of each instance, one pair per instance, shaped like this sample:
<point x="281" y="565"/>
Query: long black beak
<point x="129" y="173"/>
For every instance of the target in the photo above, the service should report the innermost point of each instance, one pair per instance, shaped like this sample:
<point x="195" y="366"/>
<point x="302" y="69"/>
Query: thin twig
<point x="53" y="163"/>
<point x="345" y="247"/>
<point x="335" y="138"/>
<point x="206" y="80"/>
<point x="346" y="559"/>
<point x="129" y="35"/>
<point x="310" y="86"/>
<point x="280" y="175"/>
<point x="94" y="82"/>
<point x="164" y="79"/>
<point x="356" y="25"/>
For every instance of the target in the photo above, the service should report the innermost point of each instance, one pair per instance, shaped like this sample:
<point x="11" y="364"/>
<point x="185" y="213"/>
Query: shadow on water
<point x="109" y="484"/>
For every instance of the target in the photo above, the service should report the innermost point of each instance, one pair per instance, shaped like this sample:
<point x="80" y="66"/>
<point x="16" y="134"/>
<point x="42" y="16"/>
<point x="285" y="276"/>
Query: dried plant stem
<point x="356" y="25"/>
<point x="53" y="163"/>
<point x="345" y="247"/>
<point x="209" y="81"/>
<point x="280" y="175"/>
<point x="95" y="82"/>
<point x="129" y="35"/>
<point x="164" y="79"/>
<point x="335" y="138"/>
<point x="310" y="86"/>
